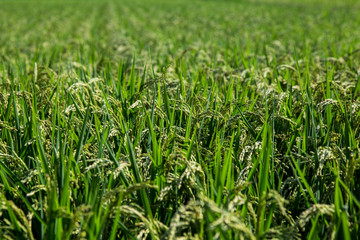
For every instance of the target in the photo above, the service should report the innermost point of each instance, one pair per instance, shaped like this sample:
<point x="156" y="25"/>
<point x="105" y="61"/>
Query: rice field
<point x="179" y="119"/>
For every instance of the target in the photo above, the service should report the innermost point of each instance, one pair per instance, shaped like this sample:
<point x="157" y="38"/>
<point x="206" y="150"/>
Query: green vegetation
<point x="179" y="119"/>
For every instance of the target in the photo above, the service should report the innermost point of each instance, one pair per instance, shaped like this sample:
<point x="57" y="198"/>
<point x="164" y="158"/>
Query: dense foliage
<point x="179" y="119"/>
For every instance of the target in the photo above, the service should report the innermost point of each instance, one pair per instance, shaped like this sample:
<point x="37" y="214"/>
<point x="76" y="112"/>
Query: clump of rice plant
<point x="179" y="120"/>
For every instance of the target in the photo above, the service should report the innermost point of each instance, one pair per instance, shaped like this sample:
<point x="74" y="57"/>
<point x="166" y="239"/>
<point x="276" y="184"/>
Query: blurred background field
<point x="164" y="29"/>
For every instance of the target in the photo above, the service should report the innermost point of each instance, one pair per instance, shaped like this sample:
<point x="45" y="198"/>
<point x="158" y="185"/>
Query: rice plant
<point x="179" y="120"/>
